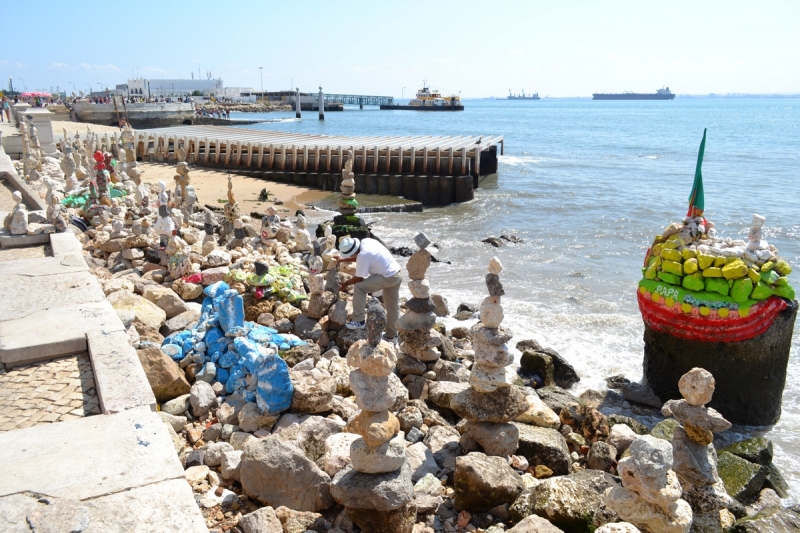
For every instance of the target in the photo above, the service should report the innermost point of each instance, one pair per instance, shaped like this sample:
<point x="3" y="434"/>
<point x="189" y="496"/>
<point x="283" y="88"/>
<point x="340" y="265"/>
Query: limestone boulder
<point x="313" y="391"/>
<point x="387" y="457"/>
<point x="495" y="439"/>
<point x="117" y="284"/>
<point x="186" y="289"/>
<point x="544" y="446"/>
<point x="202" y="397"/>
<point x="399" y="520"/>
<point x="337" y="452"/>
<point x="771" y="519"/>
<point x="483" y="482"/>
<point x="443" y="441"/>
<point x="502" y="405"/>
<point x="380" y="492"/>
<point x="441" y="392"/>
<point x="231" y="464"/>
<point x="149" y="317"/>
<point x="251" y="418"/>
<point x="185" y="320"/>
<point x="621" y="436"/>
<point x="539" y="414"/>
<point x="556" y="398"/>
<point x="535" y="524"/>
<point x="299" y="521"/>
<point x="568" y="502"/>
<point x="421" y="461"/>
<point x="166" y="299"/>
<point x="262" y="520"/>
<point x="263" y="476"/>
<point x="164" y="375"/>
<point x="307" y="432"/>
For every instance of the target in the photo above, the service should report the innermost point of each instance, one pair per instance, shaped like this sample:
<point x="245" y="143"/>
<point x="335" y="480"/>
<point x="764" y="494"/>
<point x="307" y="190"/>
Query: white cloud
<point x="16" y="64"/>
<point x="154" y="70"/>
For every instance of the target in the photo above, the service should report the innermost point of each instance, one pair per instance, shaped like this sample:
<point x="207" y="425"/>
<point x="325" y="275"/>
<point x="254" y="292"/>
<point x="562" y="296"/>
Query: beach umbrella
<point x="697" y="198"/>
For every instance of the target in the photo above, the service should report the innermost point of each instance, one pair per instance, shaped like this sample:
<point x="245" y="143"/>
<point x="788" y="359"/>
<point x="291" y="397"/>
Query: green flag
<point x="697" y="200"/>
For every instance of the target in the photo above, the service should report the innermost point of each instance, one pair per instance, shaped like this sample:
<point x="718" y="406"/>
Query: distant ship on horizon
<point x="523" y="96"/>
<point x="661" y="94"/>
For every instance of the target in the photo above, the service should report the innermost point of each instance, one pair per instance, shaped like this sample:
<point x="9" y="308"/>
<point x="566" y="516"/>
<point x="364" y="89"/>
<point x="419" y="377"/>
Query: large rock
<point x="502" y="405"/>
<point x="539" y="414"/>
<point x="380" y="492"/>
<point x="495" y="439"/>
<point x="164" y="375"/>
<point x="421" y="461"/>
<point x="202" y="397"/>
<point x="180" y="322"/>
<point x="534" y="524"/>
<point x="742" y="478"/>
<point x="569" y="502"/>
<point x="313" y="391"/>
<point x="483" y="482"/>
<point x="319" y="304"/>
<point x="265" y="463"/>
<point x="750" y="375"/>
<point x="441" y="392"/>
<point x="262" y="520"/>
<point x="251" y="418"/>
<point x="563" y="373"/>
<point x="756" y="450"/>
<point x="337" y="452"/>
<point x="556" y="398"/>
<point x="400" y="520"/>
<point x="275" y="389"/>
<point x="769" y="520"/>
<point x="149" y="317"/>
<point x="443" y="441"/>
<point x="166" y="299"/>
<point x="307" y="432"/>
<point x="544" y="446"/>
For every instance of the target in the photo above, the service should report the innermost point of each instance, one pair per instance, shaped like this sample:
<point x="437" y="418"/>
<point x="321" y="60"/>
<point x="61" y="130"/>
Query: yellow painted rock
<point x="783" y="268"/>
<point x="688" y="253"/>
<point x="691" y="266"/>
<point x="650" y="273"/>
<point x="673" y="267"/>
<point x="754" y="276"/>
<point x="705" y="260"/>
<point x="766" y="267"/>
<point x="712" y="272"/>
<point x="735" y="270"/>
<point x="720" y="261"/>
<point x="657" y="249"/>
<point x="670" y="244"/>
<point x="705" y="311"/>
<point x="672" y="255"/>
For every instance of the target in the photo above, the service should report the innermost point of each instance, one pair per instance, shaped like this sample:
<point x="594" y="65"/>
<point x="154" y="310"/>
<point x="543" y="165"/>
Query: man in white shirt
<point x="376" y="270"/>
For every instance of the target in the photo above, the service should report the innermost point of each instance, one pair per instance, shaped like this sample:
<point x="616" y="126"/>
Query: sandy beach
<point x="212" y="188"/>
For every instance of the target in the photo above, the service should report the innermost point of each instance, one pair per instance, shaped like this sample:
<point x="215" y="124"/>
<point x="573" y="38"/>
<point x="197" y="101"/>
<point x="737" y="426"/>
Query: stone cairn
<point x="650" y="496"/>
<point x="377" y="490"/>
<point x="418" y="340"/>
<point x="348" y="205"/>
<point x="491" y="402"/>
<point x="693" y="452"/>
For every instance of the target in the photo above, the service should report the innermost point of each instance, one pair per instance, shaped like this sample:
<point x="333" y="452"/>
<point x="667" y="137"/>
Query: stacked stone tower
<point x="348" y="205"/>
<point x="491" y="401"/>
<point x="377" y="490"/>
<point x="418" y="340"/>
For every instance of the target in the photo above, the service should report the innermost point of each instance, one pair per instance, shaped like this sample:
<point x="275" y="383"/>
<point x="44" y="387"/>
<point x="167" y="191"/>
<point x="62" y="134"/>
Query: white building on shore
<point x="150" y="87"/>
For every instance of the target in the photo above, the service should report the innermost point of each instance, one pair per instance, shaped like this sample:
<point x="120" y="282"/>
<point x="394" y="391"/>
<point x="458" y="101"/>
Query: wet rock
<point x="544" y="446"/>
<point x="742" y="478"/>
<point x="564" y="373"/>
<point x="483" y="482"/>
<point x="264" y="465"/>
<point x="756" y="450"/>
<point x="770" y="520"/>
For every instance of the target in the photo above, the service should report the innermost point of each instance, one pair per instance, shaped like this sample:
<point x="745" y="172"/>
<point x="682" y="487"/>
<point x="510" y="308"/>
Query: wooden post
<point x="283" y="157"/>
<point x="477" y="161"/>
<point x="271" y="156"/>
<point x="321" y="106"/>
<point x="328" y="154"/>
<point x="316" y="157"/>
<point x="463" y="161"/>
<point x="413" y="157"/>
<point x="438" y="157"/>
<point x="294" y="156"/>
<point x="425" y="160"/>
<point x="297" y="102"/>
<point x="305" y="158"/>
<point x="375" y="159"/>
<point x="452" y="156"/>
<point x="364" y="158"/>
<point x="260" y="154"/>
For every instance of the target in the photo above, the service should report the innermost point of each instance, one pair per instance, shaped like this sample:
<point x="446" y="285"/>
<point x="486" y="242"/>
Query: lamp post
<point x="261" y="73"/>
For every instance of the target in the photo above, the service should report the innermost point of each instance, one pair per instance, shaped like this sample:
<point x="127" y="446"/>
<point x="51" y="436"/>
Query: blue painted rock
<point x="274" y="393"/>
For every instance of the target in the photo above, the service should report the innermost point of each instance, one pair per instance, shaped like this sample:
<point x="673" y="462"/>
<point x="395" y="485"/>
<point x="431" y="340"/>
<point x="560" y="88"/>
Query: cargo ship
<point x="428" y="99"/>
<point x="523" y="96"/>
<point x="661" y="94"/>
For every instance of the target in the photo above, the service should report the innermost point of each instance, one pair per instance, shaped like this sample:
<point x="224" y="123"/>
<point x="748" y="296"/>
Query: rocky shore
<point x="286" y="421"/>
<point x="258" y="107"/>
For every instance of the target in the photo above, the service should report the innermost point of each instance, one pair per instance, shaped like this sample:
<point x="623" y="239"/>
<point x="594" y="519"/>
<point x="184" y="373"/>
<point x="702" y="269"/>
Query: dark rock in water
<point x="483" y="482"/>
<point x="616" y="382"/>
<point x="544" y="446"/>
<point x="750" y="375"/>
<point x="348" y="220"/>
<point x="776" y="482"/>
<point x="420" y="305"/>
<point x="564" y="373"/>
<point x="494" y="285"/>
<point x="635" y="425"/>
<point x="556" y="398"/>
<point x="466" y="307"/>
<point x="769" y="520"/>
<point x="638" y="393"/>
<point x="405" y="251"/>
<point x="539" y="364"/>
<point x="665" y="429"/>
<point x="756" y="450"/>
<point x="494" y="241"/>
<point x="464" y="315"/>
<point x="512" y="238"/>
<point x="742" y="478"/>
<point x="397" y="521"/>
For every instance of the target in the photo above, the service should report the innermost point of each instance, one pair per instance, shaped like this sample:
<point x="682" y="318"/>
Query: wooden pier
<point x="431" y="170"/>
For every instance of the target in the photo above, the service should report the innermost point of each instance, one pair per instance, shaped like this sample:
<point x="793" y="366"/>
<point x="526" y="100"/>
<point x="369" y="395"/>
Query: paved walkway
<point x="57" y="390"/>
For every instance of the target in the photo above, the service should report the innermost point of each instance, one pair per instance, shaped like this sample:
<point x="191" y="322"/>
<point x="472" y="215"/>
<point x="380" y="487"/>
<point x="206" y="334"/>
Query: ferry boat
<point x="428" y="99"/>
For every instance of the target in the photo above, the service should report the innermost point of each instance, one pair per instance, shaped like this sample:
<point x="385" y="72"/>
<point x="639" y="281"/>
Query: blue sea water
<point x="587" y="185"/>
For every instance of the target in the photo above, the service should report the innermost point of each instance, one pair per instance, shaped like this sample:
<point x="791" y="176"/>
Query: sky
<point x="475" y="48"/>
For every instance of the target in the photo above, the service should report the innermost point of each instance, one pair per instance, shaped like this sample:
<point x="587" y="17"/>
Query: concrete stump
<point x="383" y="184"/>
<point x="409" y="187"/>
<point x="396" y="185"/>
<point x="464" y="192"/>
<point x="434" y="190"/>
<point x="446" y="189"/>
<point x="422" y="190"/>
<point x="361" y="181"/>
<point x="750" y="375"/>
<point x="372" y="184"/>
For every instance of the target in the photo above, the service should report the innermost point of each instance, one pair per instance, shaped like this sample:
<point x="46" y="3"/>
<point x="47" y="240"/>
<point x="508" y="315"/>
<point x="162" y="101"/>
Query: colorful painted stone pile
<point x="377" y="487"/>
<point x="418" y="339"/>
<point x="491" y="402"/>
<point x="241" y="355"/>
<point x="694" y="456"/>
<point x="347" y="201"/>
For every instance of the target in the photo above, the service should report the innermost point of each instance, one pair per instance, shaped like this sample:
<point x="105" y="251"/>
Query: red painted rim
<point x="713" y="328"/>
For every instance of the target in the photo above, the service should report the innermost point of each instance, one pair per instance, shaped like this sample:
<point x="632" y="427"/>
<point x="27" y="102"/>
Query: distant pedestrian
<point x="6" y="110"/>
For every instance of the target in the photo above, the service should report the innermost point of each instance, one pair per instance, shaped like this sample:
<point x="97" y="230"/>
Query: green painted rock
<point x="672" y="279"/>
<point x="771" y="520"/>
<point x="742" y="478"/>
<point x="635" y="425"/>
<point x="785" y="291"/>
<point x="694" y="282"/>
<point x="718" y="285"/>
<point x="762" y="291"/>
<point x="741" y="289"/>
<point x="665" y="429"/>
<point x="769" y="276"/>
<point x="756" y="450"/>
